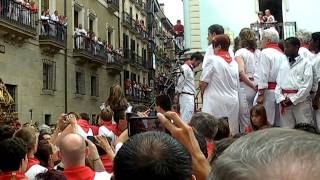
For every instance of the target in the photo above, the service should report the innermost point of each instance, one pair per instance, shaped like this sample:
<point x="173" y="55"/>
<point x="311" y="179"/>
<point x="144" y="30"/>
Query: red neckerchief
<point x="305" y="45"/>
<point x="95" y="130"/>
<point x="84" y="125"/>
<point x="225" y="55"/>
<point x="274" y="46"/>
<point x="31" y="162"/>
<point x="189" y="64"/>
<point x="110" y="126"/>
<point x="12" y="175"/>
<point x="209" y="148"/>
<point x="251" y="50"/>
<point x="79" y="173"/>
<point x="107" y="163"/>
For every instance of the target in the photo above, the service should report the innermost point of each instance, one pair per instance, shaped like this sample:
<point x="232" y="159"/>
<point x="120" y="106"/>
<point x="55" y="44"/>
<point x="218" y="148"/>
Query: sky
<point x="173" y="9"/>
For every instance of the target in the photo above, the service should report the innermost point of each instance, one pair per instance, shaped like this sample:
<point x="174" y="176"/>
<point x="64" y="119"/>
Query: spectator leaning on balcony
<point x="269" y="17"/>
<point x="80" y="35"/>
<point x="178" y="29"/>
<point x="45" y="16"/>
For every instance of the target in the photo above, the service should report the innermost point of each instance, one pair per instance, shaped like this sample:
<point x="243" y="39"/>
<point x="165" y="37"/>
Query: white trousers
<point x="246" y="99"/>
<point x="317" y="117"/>
<point x="295" y="114"/>
<point x="272" y="108"/>
<point x="186" y="103"/>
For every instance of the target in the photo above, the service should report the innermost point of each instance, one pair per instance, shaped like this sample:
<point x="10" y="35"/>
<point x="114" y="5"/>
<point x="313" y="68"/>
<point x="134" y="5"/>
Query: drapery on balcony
<point x="16" y="18"/>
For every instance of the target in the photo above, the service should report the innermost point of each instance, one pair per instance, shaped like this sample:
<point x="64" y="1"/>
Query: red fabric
<point x="248" y="130"/>
<point x="107" y="163"/>
<point x="209" y="148"/>
<point x="84" y="125"/>
<point x="178" y="28"/>
<point x="12" y="175"/>
<point x="79" y="173"/>
<point x="287" y="91"/>
<point x="189" y="64"/>
<point x="272" y="85"/>
<point x="31" y="162"/>
<point x="274" y="46"/>
<point x="225" y="55"/>
<point x="305" y="45"/>
<point x="111" y="127"/>
<point x="95" y="130"/>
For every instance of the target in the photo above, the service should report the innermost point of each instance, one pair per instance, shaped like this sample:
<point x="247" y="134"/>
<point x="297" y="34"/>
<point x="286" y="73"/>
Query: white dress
<point x="220" y="98"/>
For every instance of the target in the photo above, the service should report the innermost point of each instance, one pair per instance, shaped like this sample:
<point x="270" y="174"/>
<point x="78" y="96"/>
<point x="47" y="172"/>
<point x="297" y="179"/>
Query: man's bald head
<point x="73" y="150"/>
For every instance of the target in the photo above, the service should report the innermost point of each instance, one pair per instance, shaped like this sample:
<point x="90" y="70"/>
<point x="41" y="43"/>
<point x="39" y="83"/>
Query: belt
<point x="285" y="92"/>
<point x="251" y="79"/>
<point x="187" y="93"/>
<point x="272" y="85"/>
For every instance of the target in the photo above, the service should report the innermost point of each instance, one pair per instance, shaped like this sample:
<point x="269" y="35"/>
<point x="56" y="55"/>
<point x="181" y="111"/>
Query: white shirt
<point x="297" y="76"/>
<point x="305" y="53"/>
<point x="268" y="67"/>
<point x="82" y="133"/>
<point x="270" y="19"/>
<point x="210" y="52"/>
<point x="316" y="71"/>
<point x="53" y="17"/>
<point x="103" y="131"/>
<point x="220" y="97"/>
<point x="102" y="176"/>
<point x="249" y="59"/>
<point x="35" y="170"/>
<point x="186" y="81"/>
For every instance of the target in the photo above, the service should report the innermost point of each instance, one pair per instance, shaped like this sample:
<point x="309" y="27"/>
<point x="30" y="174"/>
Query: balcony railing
<point x="139" y="4"/>
<point x="144" y="9"/>
<point x="138" y="92"/>
<point x="127" y="19"/>
<point x="113" y="4"/>
<point x="53" y="31"/>
<point x="18" y="15"/>
<point x="286" y="29"/>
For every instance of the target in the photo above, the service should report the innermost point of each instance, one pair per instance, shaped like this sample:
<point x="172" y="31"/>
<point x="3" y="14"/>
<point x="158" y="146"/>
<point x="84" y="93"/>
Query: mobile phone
<point x="143" y="124"/>
<point x="101" y="151"/>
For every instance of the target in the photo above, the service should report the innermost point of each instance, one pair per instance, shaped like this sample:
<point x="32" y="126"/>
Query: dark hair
<point x="248" y="38"/>
<point x="164" y="101"/>
<point x="43" y="152"/>
<point x="197" y="56"/>
<point x="118" y="115"/>
<point x="28" y="135"/>
<point x="293" y="41"/>
<point x="42" y="133"/>
<point x="106" y="114"/>
<point x="260" y="111"/>
<point x="306" y="127"/>
<point x="281" y="45"/>
<point x="51" y="175"/>
<point x="221" y="146"/>
<point x="316" y="37"/>
<point x="223" y="129"/>
<point x="152" y="155"/>
<point x="221" y="40"/>
<point x="6" y="132"/>
<point x="216" y="29"/>
<point x="12" y="152"/>
<point x="205" y="123"/>
<point x="84" y="116"/>
<point x="202" y="143"/>
<point x="139" y="108"/>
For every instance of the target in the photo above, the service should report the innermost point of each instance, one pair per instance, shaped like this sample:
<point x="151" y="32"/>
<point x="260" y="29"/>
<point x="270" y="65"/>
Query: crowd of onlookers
<point x="18" y="10"/>
<point x="53" y="25"/>
<point x="137" y="90"/>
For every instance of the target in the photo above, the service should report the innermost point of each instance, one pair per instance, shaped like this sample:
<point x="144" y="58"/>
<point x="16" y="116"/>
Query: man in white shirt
<point x="186" y="87"/>
<point x="55" y="16"/>
<point x="267" y="71"/>
<point x="315" y="46"/>
<point x="305" y="39"/>
<point x="269" y="16"/>
<point x="294" y="84"/>
<point x="219" y="84"/>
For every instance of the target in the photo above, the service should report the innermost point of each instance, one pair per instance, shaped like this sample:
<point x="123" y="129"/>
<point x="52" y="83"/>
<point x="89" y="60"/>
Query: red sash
<point x="31" y="162"/>
<point x="111" y="127"/>
<point x="225" y="55"/>
<point x="107" y="163"/>
<point x="95" y="130"/>
<point x="79" y="173"/>
<point x="13" y="175"/>
<point x="272" y="85"/>
<point x="285" y="92"/>
<point x="84" y="125"/>
<point x="274" y="46"/>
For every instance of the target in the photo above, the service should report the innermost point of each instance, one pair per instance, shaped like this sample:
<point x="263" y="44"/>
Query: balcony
<point x="88" y="51"/>
<point x="138" y="62"/>
<point x="52" y="37"/>
<point x="113" y="5"/>
<point x="126" y="55"/>
<point x="139" y="4"/>
<point x="114" y="63"/>
<point x="144" y="9"/>
<point x="285" y="29"/>
<point x="127" y="20"/>
<point x="17" y="22"/>
<point x="138" y="92"/>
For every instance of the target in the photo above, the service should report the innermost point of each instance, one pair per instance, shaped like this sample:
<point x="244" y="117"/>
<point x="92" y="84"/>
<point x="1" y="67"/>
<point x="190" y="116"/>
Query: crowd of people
<point x="53" y="25"/>
<point x="18" y="10"/>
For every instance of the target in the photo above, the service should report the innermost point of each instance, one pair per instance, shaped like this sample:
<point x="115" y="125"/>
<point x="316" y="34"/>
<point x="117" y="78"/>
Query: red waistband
<point x="286" y="91"/>
<point x="272" y="85"/>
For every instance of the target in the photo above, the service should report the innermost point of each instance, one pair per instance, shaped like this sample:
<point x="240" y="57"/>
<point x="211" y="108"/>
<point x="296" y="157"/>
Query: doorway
<point x="275" y="6"/>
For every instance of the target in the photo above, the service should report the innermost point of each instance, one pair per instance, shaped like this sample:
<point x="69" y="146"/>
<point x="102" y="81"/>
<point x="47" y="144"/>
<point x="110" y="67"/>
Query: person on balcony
<point x="186" y="87"/>
<point x="80" y="35"/>
<point x="178" y="30"/>
<point x="45" y="16"/>
<point x="26" y="12"/>
<point x="294" y="83"/>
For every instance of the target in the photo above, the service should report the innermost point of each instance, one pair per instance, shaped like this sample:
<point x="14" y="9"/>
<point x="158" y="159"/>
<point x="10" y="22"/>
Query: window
<point x="12" y="89"/>
<point x="94" y="85"/>
<point x="110" y="33"/>
<point x="76" y="18"/>
<point x="133" y="77"/>
<point x="49" y="76"/>
<point x="138" y="46"/>
<point x="91" y="25"/>
<point x="44" y="5"/>
<point x="80" y="83"/>
<point x="47" y="119"/>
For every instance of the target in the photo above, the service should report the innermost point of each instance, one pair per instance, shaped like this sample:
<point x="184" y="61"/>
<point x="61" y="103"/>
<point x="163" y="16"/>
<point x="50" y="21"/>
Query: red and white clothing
<point x="186" y="90"/>
<point x="250" y="58"/>
<point x="85" y="173"/>
<point x="294" y="81"/>
<point x="266" y="75"/>
<point x="34" y="168"/>
<point x="220" y="97"/>
<point x="83" y="128"/>
<point x="109" y="130"/>
<point x="12" y="175"/>
<point x="210" y="52"/>
<point x="316" y="68"/>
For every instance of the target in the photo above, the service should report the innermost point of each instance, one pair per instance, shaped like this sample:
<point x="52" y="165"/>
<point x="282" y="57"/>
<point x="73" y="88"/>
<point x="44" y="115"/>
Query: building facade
<point x="53" y="67"/>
